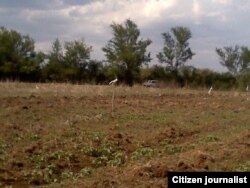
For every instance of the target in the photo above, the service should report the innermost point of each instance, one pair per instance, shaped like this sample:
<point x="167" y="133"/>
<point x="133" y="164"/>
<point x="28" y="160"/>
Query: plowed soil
<point x="62" y="135"/>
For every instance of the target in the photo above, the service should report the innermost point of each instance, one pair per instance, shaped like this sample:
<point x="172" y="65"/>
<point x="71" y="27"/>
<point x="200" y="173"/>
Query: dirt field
<point x="62" y="135"/>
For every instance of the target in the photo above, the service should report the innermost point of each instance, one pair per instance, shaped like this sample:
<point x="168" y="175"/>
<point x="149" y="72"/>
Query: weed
<point x="39" y="176"/>
<point x="91" y="151"/>
<point x="100" y="161"/>
<point x="104" y="155"/>
<point x="96" y="136"/>
<point x="42" y="160"/>
<point x="3" y="153"/>
<point x="39" y="160"/>
<point x="85" y="172"/>
<point x="67" y="175"/>
<point x="118" y="159"/>
<point x="50" y="173"/>
<point x="244" y="166"/>
<point x="70" y="134"/>
<point x="3" y="157"/>
<point x="62" y="155"/>
<point x="142" y="152"/>
<point x="209" y="138"/>
<point x="3" y="145"/>
<point x="171" y="149"/>
<point x="34" y="137"/>
<point x="15" y="135"/>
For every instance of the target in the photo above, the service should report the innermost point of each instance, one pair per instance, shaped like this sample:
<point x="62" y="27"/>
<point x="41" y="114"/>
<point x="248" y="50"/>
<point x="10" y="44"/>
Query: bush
<point x="244" y="80"/>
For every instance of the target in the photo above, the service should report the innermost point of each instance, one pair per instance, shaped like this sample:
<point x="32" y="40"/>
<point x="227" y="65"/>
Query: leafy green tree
<point x="230" y="58"/>
<point x="236" y="59"/>
<point x="187" y="73"/>
<point x="54" y="68"/>
<point x="95" y="69"/>
<point x="77" y="56"/>
<point x="126" y="51"/>
<point x="68" y="66"/>
<point x="16" y="54"/>
<point x="53" y="72"/>
<point x="77" y="53"/>
<point x="244" y="80"/>
<point x="56" y="54"/>
<point x="40" y="58"/>
<point x="176" y="50"/>
<point x="245" y="59"/>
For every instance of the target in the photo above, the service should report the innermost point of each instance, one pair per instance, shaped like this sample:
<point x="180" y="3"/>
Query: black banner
<point x="208" y="179"/>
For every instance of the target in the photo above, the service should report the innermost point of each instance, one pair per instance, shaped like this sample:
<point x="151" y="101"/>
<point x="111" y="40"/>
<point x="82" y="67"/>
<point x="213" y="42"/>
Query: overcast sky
<point x="213" y="23"/>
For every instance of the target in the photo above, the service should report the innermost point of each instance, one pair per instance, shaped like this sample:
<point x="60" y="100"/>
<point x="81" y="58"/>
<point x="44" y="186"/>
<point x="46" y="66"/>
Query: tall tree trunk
<point x="129" y="78"/>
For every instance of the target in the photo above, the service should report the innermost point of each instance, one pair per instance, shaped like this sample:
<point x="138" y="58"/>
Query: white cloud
<point x="196" y="8"/>
<point x="223" y="2"/>
<point x="104" y="12"/>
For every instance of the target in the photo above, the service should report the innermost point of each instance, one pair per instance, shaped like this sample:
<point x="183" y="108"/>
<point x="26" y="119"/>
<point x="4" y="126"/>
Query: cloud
<point x="31" y="4"/>
<point x="214" y="23"/>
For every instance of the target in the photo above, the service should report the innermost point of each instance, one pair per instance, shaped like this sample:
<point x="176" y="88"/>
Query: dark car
<point x="151" y="83"/>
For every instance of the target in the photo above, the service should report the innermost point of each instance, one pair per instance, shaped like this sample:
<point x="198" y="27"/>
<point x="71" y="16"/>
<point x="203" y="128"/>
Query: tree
<point x="77" y="56"/>
<point x="126" y="50"/>
<point x="236" y="59"/>
<point x="95" y="69"/>
<point x="245" y="59"/>
<point x="77" y="53"/>
<point x="56" y="54"/>
<point x="16" y="54"/>
<point x="176" y="50"/>
<point x="69" y="65"/>
<point x="53" y="69"/>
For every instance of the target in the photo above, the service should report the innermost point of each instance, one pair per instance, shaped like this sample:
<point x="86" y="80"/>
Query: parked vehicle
<point x="151" y="83"/>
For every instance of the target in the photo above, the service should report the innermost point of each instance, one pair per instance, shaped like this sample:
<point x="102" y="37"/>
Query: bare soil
<point x="67" y="137"/>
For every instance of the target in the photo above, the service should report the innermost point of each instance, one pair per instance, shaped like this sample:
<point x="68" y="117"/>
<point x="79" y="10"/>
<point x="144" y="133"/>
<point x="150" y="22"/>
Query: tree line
<point x="126" y="56"/>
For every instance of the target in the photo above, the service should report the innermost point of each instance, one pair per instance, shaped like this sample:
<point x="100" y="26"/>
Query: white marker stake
<point x="113" y="96"/>
<point x="113" y="81"/>
<point x="210" y="90"/>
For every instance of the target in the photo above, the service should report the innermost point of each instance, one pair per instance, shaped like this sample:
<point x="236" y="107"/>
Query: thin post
<point x="113" y="97"/>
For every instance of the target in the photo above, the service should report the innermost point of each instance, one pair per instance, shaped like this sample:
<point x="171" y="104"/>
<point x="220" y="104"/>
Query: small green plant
<point x="100" y="161"/>
<point x="171" y="149"/>
<point x="48" y="174"/>
<point x="118" y="159"/>
<point x="62" y="155"/>
<point x="91" y="151"/>
<point x="15" y="135"/>
<point x="33" y="176"/>
<point x="67" y="174"/>
<point x="3" y="157"/>
<point x="3" y="153"/>
<point x="209" y="138"/>
<point x="70" y="134"/>
<point x="142" y="152"/>
<point x="97" y="136"/>
<point x="3" y="145"/>
<point x="85" y="172"/>
<point x="104" y="155"/>
<point x="39" y="160"/>
<point x="244" y="166"/>
<point x="34" y="137"/>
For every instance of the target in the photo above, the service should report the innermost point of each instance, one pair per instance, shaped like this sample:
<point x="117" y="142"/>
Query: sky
<point x="213" y="23"/>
